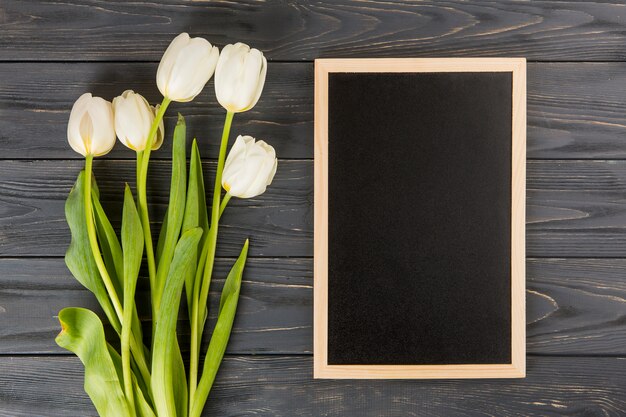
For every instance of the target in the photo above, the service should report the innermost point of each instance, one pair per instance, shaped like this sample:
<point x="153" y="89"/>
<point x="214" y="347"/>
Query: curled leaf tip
<point x="181" y="119"/>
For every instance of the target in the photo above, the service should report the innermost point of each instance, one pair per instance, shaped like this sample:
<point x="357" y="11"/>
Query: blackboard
<point x="419" y="218"/>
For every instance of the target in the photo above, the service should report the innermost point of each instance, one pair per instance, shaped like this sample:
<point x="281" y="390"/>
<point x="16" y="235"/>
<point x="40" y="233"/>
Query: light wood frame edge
<point x="517" y="367"/>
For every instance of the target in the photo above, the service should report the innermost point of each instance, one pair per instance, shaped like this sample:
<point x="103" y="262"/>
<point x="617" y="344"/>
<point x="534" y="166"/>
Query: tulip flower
<point x="187" y="65"/>
<point x="239" y="77"/>
<point x="90" y="130"/>
<point x="140" y="378"/>
<point x="133" y="119"/>
<point x="249" y="168"/>
<point x="185" y="68"/>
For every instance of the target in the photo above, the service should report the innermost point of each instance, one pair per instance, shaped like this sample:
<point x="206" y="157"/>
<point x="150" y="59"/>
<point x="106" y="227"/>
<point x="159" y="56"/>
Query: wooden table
<point x="51" y="52"/>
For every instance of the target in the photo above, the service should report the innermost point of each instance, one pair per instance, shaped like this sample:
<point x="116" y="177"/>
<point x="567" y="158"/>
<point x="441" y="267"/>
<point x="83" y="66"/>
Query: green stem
<point x="116" y="321"/>
<point x="93" y="241"/>
<point x="137" y="350"/>
<point x="224" y="203"/>
<point x="201" y="286"/>
<point x="142" y="174"/>
<point x="129" y="300"/>
<point x="125" y="345"/>
<point x="106" y="278"/>
<point x="138" y="167"/>
<point x="195" y="343"/>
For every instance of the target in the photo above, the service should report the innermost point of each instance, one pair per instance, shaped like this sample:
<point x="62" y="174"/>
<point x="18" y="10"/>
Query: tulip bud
<point x="239" y="77"/>
<point x="133" y="119"/>
<point x="90" y="130"/>
<point x="186" y="66"/>
<point x="250" y="168"/>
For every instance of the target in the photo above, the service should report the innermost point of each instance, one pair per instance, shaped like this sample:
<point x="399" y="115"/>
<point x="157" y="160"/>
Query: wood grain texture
<point x="33" y="193"/>
<point x="575" y="110"/>
<point x="574" y="306"/>
<point x="95" y="30"/>
<point x="274" y="313"/>
<point x="574" y="208"/>
<point x="281" y="386"/>
<point x="35" y="103"/>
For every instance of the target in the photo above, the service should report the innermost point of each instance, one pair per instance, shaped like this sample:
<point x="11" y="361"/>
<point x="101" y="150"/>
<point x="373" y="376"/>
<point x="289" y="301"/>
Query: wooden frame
<point x="517" y="367"/>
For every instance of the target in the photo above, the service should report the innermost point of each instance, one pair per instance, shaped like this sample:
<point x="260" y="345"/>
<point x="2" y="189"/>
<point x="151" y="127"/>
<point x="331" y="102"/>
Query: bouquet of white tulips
<point x="129" y="375"/>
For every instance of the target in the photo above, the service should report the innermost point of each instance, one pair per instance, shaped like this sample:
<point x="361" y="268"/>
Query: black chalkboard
<point x="419" y="218"/>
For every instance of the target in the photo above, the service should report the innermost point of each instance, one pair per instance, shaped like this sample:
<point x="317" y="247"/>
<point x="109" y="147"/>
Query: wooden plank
<point x="36" y="100"/>
<point x="574" y="208"/>
<point x="575" y="110"/>
<point x="274" y="313"/>
<point x="283" y="387"/>
<point x="32" y="220"/>
<point x="574" y="306"/>
<point x="93" y="30"/>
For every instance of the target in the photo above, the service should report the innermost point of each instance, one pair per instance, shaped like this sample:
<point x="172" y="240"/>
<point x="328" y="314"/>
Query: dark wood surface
<point x="51" y="52"/>
<point x="283" y="386"/>
<point x="575" y="110"/>
<point x="305" y="30"/>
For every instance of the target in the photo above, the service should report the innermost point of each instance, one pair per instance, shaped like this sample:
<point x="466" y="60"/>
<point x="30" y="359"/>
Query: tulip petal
<point x="86" y="130"/>
<point x="133" y="119"/>
<point x="206" y="67"/>
<point x="90" y="129"/>
<point x="250" y="167"/>
<point x="168" y="60"/>
<point x="260" y="83"/>
<point x="103" y="139"/>
<point x="258" y="183"/>
<point x="73" y="126"/>
<point x="240" y="77"/>
<point x="249" y="79"/>
<point x="187" y="77"/>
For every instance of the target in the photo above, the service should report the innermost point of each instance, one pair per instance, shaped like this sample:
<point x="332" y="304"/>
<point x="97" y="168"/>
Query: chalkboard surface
<point x="418" y="234"/>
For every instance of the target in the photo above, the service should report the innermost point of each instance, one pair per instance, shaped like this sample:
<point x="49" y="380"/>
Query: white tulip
<point x="90" y="130"/>
<point x="187" y="65"/>
<point x="133" y="119"/>
<point x="239" y="77"/>
<point x="250" y="168"/>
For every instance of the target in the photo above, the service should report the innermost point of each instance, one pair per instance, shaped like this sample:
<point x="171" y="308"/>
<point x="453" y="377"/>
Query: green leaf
<point x="132" y="243"/>
<point x="112" y="253"/>
<point x="221" y="333"/>
<point x="109" y="244"/>
<point x="142" y="405"/>
<point x="83" y="334"/>
<point x="195" y="213"/>
<point x="161" y="241"/>
<point x="175" y="208"/>
<point x="78" y="257"/>
<point x="167" y="383"/>
<point x="179" y="379"/>
<point x="195" y="208"/>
